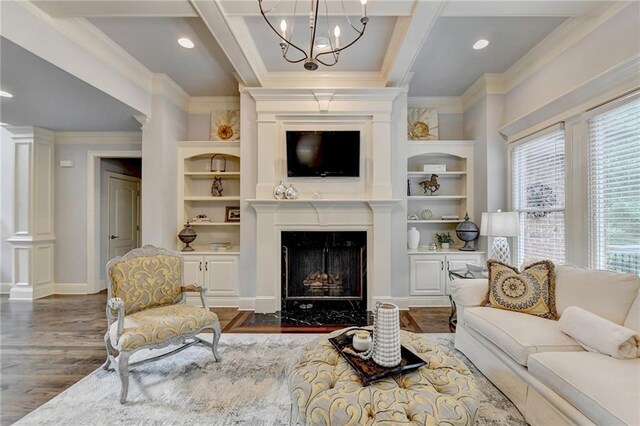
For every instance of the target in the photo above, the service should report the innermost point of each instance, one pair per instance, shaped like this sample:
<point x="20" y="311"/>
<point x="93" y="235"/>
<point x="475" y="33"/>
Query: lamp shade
<point x="500" y="224"/>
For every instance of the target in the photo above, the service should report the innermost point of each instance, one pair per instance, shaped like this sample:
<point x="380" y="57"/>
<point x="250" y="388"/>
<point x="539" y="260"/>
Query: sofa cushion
<point x="604" y="389"/>
<point x="531" y="291"/>
<point x="605" y="293"/>
<point x="519" y="335"/>
<point x="633" y="317"/>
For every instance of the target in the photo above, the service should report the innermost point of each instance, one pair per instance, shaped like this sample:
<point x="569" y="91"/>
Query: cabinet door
<point x="460" y="262"/>
<point x="194" y="270"/>
<point x="221" y="275"/>
<point x="427" y="275"/>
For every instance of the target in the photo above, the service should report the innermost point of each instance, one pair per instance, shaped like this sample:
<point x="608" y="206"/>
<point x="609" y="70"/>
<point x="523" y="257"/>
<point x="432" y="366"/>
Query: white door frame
<point x="93" y="214"/>
<point x="106" y="207"/>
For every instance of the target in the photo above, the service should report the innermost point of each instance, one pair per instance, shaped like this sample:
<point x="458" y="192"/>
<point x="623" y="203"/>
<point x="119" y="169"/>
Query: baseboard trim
<point x="246" y="304"/>
<point x="70" y="288"/>
<point x="429" y="302"/>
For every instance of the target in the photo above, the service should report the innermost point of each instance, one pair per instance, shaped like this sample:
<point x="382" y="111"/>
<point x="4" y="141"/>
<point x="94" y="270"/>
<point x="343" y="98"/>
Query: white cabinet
<point x="429" y="271"/>
<point x="217" y="273"/>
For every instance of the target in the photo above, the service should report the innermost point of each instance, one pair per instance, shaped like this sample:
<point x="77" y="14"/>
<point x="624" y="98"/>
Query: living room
<point x="238" y="182"/>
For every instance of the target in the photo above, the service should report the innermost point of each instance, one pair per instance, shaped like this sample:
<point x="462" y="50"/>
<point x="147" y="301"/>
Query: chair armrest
<point x="471" y="292"/>
<point x="192" y="288"/>
<point x="115" y="310"/>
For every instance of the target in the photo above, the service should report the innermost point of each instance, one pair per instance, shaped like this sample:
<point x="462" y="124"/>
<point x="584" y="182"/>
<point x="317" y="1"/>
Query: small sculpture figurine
<point x="216" y="187"/>
<point x="430" y="186"/>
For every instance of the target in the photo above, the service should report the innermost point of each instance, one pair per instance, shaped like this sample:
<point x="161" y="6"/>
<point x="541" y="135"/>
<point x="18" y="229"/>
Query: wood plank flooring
<point x="50" y="344"/>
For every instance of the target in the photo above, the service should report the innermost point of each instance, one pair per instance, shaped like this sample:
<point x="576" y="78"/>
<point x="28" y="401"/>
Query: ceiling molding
<point x="616" y="81"/>
<point x="444" y="104"/>
<point x="488" y="8"/>
<point x="339" y="94"/>
<point x="98" y="138"/>
<point x="218" y="24"/>
<point x="487" y="84"/>
<point x="240" y="30"/>
<point x="557" y="42"/>
<point x="163" y="85"/>
<point x="323" y="79"/>
<point x="353" y="7"/>
<point x="407" y="39"/>
<point x="207" y="104"/>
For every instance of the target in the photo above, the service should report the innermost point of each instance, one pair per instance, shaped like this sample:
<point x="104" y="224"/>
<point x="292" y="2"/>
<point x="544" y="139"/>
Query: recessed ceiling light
<point x="480" y="44"/>
<point x="186" y="43"/>
<point x="4" y="94"/>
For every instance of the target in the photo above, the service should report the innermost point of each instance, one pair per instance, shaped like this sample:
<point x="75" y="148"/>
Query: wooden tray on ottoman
<point x="368" y="370"/>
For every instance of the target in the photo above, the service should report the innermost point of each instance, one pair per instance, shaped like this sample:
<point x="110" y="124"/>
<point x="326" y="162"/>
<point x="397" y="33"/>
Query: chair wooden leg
<point x="107" y="343"/>
<point x="123" y="372"/>
<point x="214" y="343"/>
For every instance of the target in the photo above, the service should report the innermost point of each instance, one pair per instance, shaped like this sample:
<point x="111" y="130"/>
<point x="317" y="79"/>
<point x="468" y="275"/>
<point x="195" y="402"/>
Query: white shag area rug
<point x="248" y="387"/>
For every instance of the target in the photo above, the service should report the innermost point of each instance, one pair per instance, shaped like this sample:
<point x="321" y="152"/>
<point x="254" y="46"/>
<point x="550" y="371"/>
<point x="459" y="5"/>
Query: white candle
<point x="364" y="7"/>
<point x="336" y="33"/>
<point x="283" y="28"/>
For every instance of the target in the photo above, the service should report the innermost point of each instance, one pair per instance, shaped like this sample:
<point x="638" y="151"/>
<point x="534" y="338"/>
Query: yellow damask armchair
<point x="146" y="309"/>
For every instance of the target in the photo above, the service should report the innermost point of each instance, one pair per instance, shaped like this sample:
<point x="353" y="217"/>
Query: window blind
<point x="614" y="188"/>
<point x="538" y="195"/>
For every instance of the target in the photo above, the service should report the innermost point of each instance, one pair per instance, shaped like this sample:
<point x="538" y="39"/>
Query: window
<point x="538" y="184"/>
<point x="614" y="188"/>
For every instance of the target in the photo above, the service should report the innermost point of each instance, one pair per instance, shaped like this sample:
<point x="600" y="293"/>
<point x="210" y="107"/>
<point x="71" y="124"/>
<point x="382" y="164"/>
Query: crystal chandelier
<point x="323" y="49"/>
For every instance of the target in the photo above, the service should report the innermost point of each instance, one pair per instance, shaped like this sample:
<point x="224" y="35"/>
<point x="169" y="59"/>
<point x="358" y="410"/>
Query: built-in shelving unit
<point x="455" y="194"/>
<point x="195" y="197"/>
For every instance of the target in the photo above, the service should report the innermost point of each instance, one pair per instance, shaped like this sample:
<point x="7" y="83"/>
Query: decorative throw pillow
<point x="531" y="291"/>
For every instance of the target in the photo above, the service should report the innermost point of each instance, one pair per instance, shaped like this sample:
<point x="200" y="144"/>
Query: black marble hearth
<point x="311" y="317"/>
<point x="324" y="278"/>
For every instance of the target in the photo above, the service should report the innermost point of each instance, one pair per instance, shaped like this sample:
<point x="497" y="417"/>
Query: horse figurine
<point x="430" y="185"/>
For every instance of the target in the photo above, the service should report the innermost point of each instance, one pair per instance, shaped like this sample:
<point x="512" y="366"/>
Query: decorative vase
<point x="362" y="340"/>
<point x="413" y="238"/>
<point x="187" y="235"/>
<point x="291" y="193"/>
<point x="279" y="190"/>
<point x="386" y="335"/>
<point x="467" y="231"/>
<point x="445" y="246"/>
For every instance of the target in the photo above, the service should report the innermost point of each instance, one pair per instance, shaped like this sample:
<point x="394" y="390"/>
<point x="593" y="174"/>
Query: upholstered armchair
<point x="146" y="309"/>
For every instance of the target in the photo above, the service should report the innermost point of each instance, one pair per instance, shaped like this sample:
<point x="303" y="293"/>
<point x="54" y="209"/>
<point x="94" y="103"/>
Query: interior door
<point x="123" y="214"/>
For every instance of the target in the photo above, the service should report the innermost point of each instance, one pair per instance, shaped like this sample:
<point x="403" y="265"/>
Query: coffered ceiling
<point x="428" y="41"/>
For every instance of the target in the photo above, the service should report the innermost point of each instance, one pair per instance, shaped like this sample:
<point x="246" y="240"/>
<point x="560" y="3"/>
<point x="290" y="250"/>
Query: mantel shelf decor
<point x="323" y="48"/>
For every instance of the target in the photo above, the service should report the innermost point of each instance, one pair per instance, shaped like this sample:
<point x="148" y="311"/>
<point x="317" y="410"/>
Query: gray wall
<point x="70" y="209"/>
<point x="6" y="206"/>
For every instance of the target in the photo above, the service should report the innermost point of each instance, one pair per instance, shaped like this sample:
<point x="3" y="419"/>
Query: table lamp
<point x="500" y="225"/>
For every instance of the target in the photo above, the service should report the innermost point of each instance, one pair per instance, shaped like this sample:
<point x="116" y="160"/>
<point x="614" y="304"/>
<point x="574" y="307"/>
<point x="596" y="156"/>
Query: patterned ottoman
<point x="326" y="391"/>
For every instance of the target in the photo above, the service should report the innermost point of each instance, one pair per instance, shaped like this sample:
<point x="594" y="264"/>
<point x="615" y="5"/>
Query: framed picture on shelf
<point x="232" y="214"/>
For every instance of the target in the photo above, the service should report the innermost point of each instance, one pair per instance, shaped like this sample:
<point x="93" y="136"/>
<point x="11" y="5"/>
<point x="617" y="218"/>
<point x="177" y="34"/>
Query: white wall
<point x="6" y="207"/>
<point x="450" y="126"/>
<point x="70" y="209"/>
<point x="160" y="136"/>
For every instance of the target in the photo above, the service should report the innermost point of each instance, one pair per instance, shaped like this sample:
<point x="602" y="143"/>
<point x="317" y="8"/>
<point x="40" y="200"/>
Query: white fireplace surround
<point x="347" y="204"/>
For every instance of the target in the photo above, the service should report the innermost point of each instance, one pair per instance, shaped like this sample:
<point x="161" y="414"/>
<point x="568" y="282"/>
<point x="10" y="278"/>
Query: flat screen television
<point x="323" y="153"/>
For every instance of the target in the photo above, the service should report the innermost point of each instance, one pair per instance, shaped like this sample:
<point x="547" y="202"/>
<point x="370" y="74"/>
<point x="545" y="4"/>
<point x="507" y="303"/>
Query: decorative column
<point x="267" y="257"/>
<point x="32" y="234"/>
<point x="381" y="267"/>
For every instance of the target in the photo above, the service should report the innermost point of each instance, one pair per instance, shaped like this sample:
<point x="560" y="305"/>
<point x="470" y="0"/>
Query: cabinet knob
<point x="442" y="265"/>
<point x="206" y="266"/>
<point x="201" y="266"/>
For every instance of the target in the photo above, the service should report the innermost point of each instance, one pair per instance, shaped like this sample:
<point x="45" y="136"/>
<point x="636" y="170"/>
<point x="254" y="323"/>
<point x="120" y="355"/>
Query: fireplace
<point x="324" y="277"/>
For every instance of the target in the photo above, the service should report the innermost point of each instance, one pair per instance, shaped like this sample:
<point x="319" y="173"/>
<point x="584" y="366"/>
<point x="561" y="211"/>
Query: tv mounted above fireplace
<point x="323" y="153"/>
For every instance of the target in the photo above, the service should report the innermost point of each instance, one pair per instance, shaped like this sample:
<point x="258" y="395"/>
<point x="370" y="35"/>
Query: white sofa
<point x="550" y="378"/>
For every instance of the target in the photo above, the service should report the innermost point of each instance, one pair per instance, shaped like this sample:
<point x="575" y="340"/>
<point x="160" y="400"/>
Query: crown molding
<point x="323" y="79"/>
<point x="444" y="104"/>
<point x="487" y="84"/>
<point x="207" y="104"/>
<point x="338" y="94"/>
<point x="614" y="82"/>
<point x="98" y="138"/>
<point x="163" y="85"/>
<point x="557" y="42"/>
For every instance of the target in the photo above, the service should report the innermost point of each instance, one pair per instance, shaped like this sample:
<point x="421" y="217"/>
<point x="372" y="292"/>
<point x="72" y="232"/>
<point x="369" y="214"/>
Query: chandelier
<point x="323" y="48"/>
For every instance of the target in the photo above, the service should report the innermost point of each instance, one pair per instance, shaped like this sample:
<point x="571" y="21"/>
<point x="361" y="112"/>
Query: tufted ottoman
<point x="326" y="391"/>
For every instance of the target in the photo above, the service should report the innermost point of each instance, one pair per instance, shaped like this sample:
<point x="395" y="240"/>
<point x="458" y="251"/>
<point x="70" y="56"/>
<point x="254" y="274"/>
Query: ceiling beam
<point x="111" y="8"/>
<point x="352" y="7"/>
<point x="407" y="39"/>
<point x="214" y="18"/>
<point x="465" y="8"/>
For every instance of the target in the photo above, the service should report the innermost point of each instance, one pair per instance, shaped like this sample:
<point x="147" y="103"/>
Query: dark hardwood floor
<point x="50" y="344"/>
